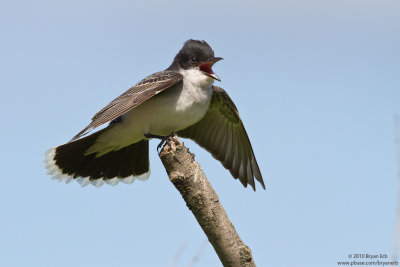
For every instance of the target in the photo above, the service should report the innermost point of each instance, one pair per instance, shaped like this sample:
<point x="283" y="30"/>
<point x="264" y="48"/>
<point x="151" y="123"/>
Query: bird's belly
<point x="163" y="114"/>
<point x="169" y="112"/>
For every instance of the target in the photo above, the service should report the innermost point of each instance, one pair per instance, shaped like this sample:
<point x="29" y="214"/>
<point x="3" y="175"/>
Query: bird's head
<point x="197" y="55"/>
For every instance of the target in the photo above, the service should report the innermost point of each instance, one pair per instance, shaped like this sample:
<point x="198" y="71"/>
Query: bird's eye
<point x="194" y="59"/>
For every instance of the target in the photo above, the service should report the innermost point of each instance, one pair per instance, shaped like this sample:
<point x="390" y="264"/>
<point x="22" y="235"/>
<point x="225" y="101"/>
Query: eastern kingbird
<point x="180" y="99"/>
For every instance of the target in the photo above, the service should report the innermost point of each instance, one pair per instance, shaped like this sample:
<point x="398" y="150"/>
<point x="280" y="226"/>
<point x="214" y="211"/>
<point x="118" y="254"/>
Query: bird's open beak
<point x="206" y="67"/>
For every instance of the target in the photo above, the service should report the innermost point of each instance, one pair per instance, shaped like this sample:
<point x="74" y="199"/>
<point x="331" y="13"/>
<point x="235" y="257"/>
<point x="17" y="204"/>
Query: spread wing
<point x="136" y="95"/>
<point x="222" y="133"/>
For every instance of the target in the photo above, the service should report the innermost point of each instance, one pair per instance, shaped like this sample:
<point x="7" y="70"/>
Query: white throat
<point x="197" y="89"/>
<point x="196" y="78"/>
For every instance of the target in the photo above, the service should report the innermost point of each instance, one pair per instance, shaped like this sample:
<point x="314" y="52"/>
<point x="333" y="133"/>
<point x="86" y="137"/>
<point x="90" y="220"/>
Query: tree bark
<point x="186" y="175"/>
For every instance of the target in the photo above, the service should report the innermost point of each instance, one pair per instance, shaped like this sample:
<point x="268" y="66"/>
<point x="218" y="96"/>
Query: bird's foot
<point x="164" y="139"/>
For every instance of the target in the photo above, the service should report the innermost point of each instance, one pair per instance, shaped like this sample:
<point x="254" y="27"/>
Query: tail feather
<point x="69" y="162"/>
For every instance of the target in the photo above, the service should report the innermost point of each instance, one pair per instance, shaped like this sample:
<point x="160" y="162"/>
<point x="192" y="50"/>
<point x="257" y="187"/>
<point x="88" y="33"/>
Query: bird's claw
<point x="166" y="139"/>
<point x="163" y="141"/>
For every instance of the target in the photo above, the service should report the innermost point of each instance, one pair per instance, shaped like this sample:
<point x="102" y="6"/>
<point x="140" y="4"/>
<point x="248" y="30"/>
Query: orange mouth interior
<point x="206" y="67"/>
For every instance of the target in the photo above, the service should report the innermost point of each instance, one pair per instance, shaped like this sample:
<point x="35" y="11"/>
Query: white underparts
<point x="179" y="107"/>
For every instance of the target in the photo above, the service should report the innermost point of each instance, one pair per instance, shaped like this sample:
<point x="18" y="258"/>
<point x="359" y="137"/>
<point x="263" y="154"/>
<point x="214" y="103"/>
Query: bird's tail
<point x="69" y="162"/>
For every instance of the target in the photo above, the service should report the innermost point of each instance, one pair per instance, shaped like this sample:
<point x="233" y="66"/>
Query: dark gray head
<point x="198" y="55"/>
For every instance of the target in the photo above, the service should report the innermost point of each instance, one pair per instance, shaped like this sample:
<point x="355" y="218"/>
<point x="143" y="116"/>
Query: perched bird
<point x="181" y="100"/>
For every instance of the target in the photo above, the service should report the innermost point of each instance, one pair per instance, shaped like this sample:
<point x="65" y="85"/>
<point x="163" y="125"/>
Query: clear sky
<point x="316" y="83"/>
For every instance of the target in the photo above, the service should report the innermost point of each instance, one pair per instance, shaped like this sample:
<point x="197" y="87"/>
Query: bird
<point x="180" y="100"/>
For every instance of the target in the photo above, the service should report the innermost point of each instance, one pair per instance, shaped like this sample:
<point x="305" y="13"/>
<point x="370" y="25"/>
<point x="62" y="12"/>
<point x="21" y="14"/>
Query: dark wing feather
<point x="222" y="133"/>
<point x="136" y="95"/>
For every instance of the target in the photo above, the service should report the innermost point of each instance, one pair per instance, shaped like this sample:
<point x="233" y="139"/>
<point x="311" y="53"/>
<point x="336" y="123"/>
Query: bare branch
<point x="186" y="175"/>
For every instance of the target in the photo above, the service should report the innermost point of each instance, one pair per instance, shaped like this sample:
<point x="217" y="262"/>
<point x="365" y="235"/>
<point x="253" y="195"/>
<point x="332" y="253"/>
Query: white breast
<point x="178" y="108"/>
<point x="196" y="92"/>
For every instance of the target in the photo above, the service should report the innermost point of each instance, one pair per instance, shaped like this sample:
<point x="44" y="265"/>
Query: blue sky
<point x="317" y="84"/>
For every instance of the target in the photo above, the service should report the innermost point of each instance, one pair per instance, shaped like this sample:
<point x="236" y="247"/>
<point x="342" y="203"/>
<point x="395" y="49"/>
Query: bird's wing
<point x="136" y="95"/>
<point x="222" y="133"/>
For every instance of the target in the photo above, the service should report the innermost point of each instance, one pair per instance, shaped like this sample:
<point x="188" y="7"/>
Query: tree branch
<point x="186" y="175"/>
